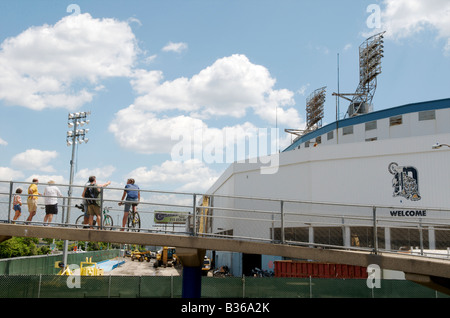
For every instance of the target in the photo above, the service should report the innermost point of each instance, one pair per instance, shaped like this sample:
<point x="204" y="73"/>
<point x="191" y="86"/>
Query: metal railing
<point x="421" y="231"/>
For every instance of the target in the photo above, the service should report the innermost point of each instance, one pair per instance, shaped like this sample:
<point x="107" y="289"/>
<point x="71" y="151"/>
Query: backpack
<point x="91" y="192"/>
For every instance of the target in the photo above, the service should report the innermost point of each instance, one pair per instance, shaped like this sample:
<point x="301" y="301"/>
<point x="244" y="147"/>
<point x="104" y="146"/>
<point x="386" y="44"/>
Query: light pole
<point x="74" y="137"/>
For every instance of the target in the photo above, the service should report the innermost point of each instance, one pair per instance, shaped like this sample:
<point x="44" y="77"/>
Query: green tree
<point x="19" y="246"/>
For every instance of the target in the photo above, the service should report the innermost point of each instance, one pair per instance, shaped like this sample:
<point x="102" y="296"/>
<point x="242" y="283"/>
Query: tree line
<point x="25" y="246"/>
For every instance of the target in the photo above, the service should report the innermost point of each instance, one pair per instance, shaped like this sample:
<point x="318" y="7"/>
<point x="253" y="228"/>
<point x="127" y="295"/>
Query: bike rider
<point x="133" y="196"/>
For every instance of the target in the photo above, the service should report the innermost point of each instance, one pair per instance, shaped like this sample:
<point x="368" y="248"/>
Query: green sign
<point x="169" y="217"/>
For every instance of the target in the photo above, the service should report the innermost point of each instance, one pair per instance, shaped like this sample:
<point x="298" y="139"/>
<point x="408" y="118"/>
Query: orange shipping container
<point x="318" y="270"/>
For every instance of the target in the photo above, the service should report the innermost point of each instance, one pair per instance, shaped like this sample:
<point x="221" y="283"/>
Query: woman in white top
<point x="51" y="194"/>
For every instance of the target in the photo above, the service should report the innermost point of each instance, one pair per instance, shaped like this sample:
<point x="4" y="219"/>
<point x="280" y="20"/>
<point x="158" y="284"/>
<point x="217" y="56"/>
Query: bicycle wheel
<point x="79" y="222"/>
<point x="134" y="222"/>
<point x="108" y="222"/>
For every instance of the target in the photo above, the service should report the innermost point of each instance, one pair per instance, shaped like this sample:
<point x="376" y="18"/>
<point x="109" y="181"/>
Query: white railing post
<point x="194" y="214"/>
<point x="10" y="201"/>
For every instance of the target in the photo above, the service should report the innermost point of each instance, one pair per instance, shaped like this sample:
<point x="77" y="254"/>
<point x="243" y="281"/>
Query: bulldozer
<point x="137" y="255"/>
<point x="166" y="257"/>
<point x="140" y="256"/>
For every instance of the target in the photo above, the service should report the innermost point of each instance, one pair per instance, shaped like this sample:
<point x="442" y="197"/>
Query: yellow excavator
<point x="166" y="257"/>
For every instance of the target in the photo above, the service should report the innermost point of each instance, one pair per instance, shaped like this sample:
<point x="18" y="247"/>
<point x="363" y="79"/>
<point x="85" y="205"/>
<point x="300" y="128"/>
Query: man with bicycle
<point x="133" y="196"/>
<point x="91" y="193"/>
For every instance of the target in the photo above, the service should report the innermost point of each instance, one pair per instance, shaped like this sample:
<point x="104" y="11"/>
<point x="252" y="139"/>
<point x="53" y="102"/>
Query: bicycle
<point x="134" y="221"/>
<point x="107" y="219"/>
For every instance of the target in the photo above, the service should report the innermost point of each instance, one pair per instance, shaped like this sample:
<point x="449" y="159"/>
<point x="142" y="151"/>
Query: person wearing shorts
<point x="94" y="205"/>
<point x="32" y="199"/>
<point x="133" y="196"/>
<point x="51" y="194"/>
<point x="17" y="204"/>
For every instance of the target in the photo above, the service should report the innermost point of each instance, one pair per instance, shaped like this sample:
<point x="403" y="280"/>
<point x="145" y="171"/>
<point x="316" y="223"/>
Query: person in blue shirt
<point x="133" y="196"/>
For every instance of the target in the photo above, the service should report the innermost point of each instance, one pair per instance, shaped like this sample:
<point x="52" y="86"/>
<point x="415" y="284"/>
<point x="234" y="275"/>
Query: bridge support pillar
<point x="192" y="261"/>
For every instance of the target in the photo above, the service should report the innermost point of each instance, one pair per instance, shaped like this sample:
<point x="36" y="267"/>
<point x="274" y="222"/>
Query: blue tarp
<point x="109" y="265"/>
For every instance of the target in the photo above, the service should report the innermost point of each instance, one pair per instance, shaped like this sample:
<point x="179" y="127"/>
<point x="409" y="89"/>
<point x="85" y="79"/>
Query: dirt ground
<point x="136" y="268"/>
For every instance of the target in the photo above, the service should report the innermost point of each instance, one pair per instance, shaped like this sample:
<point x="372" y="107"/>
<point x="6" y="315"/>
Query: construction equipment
<point x="90" y="268"/>
<point x="87" y="268"/>
<point x="137" y="255"/>
<point x="166" y="257"/>
<point x="147" y="256"/>
<point x="206" y="266"/>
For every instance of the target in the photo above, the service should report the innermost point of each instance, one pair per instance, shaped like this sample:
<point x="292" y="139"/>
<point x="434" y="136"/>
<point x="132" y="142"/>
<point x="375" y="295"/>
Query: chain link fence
<point x="54" y="286"/>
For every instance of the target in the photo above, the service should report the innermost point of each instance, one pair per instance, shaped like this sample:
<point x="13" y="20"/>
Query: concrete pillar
<point x="192" y="282"/>
<point x="192" y="261"/>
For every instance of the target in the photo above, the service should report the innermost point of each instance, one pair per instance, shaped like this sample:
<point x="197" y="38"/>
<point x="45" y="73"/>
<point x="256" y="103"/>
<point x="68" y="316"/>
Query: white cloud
<point x="56" y="65"/>
<point x="150" y="59"/>
<point x="302" y="90"/>
<point x="10" y="174"/>
<point x="45" y="178"/>
<point x="230" y="87"/>
<point x="175" y="47"/>
<point x="145" y="132"/>
<point x="34" y="159"/>
<point x="102" y="174"/>
<point x="3" y="142"/>
<point x="407" y="18"/>
<point x="188" y="176"/>
<point x="145" y="81"/>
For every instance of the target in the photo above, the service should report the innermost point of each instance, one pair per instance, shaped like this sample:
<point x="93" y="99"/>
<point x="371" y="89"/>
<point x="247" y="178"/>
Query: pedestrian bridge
<point x="429" y="271"/>
<point x="193" y="223"/>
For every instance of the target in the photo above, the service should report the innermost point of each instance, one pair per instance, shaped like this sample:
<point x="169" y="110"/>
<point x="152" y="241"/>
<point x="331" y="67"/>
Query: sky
<point x="155" y="73"/>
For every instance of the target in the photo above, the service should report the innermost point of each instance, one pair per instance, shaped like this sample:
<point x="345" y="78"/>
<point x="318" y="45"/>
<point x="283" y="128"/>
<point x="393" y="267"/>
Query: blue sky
<point x="147" y="69"/>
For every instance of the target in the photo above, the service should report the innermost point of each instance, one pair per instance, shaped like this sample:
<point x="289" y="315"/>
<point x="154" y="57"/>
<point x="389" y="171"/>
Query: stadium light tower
<point x="314" y="112"/>
<point x="74" y="137"/>
<point x="314" y="108"/>
<point x="370" y="54"/>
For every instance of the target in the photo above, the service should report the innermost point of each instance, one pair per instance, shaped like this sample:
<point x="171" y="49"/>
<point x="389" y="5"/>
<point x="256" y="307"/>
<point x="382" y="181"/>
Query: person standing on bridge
<point x="32" y="199"/>
<point x="132" y="200"/>
<point x="91" y="193"/>
<point x="17" y="204"/>
<point x="51" y="194"/>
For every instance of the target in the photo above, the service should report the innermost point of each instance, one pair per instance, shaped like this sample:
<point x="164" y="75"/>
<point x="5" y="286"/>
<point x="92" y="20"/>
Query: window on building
<point x="396" y="120"/>
<point x="427" y="115"/>
<point x="371" y="125"/>
<point x="297" y="234"/>
<point x="307" y="144"/>
<point x="371" y="139"/>
<point x="442" y="237"/>
<point x="328" y="236"/>
<point x="407" y="238"/>
<point x="347" y="130"/>
<point x="319" y="140"/>
<point x="330" y="135"/>
<point x="225" y="233"/>
<point x="363" y="237"/>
